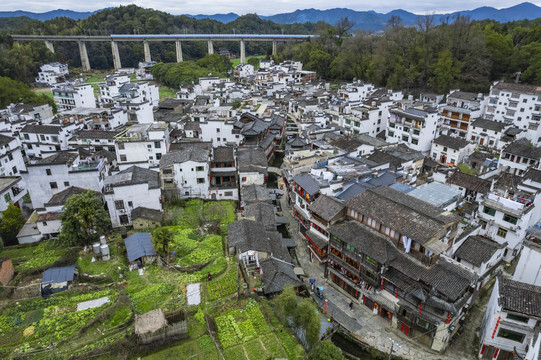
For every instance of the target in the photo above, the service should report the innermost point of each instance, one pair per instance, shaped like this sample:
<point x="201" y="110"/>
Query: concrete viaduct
<point x="178" y="38"/>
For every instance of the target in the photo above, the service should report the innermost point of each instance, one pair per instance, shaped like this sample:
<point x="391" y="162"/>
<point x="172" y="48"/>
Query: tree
<point x="287" y="302"/>
<point x="326" y="350"/>
<point x="307" y="318"/>
<point x="254" y="62"/>
<point x="83" y="219"/>
<point x="11" y="223"/>
<point x="446" y="72"/>
<point x="343" y="26"/>
<point x="161" y="238"/>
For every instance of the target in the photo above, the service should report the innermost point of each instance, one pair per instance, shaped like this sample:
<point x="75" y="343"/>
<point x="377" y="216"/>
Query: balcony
<point x="516" y="206"/>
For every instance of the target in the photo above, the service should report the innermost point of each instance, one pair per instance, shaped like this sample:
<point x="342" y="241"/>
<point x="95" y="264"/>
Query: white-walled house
<point x="220" y="132"/>
<point x="69" y="97"/>
<point x="511" y="320"/>
<point x="487" y="133"/>
<point x="516" y="104"/>
<point x="252" y="165"/>
<point x="185" y="173"/>
<point x="57" y="172"/>
<point x="111" y="88"/>
<point x="52" y="73"/>
<point x="506" y="218"/>
<point x="461" y="108"/>
<point x="528" y="269"/>
<point x="11" y="158"/>
<point x="142" y="143"/>
<point x="450" y="150"/>
<point x="48" y="218"/>
<point x="224" y="183"/>
<point x="12" y="191"/>
<point x="129" y="189"/>
<point x="40" y="140"/>
<point x="518" y="156"/>
<point x="413" y="127"/>
<point x="480" y="254"/>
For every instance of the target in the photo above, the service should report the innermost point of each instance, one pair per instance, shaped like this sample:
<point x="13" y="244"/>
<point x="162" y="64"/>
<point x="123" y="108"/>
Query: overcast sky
<point x="267" y="7"/>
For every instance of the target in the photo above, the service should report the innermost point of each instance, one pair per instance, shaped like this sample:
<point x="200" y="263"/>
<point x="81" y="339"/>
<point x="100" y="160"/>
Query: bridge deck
<point x="164" y="37"/>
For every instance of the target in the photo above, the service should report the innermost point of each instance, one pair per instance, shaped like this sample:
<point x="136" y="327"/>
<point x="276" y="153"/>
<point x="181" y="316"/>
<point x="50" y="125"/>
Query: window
<point x="123" y="158"/>
<point x="42" y="137"/>
<point x="10" y="157"/>
<point x="501" y="232"/>
<point x="121" y="146"/>
<point x="489" y="211"/>
<point x="228" y="193"/>
<point x="44" y="223"/>
<point x="167" y="171"/>
<point x="335" y="239"/>
<point x="414" y="141"/>
<point x="26" y="137"/>
<point x="370" y="260"/>
<point x="511" y="335"/>
<point x="53" y="185"/>
<point x="510" y="219"/>
<point x="519" y="318"/>
<point x="483" y="224"/>
<point x="48" y="172"/>
<point x="350" y="247"/>
<point x="7" y="197"/>
<point x="405" y="138"/>
<point x="452" y="161"/>
<point x="200" y="180"/>
<point x="14" y="169"/>
<point x="119" y="204"/>
<point x="66" y="183"/>
<point x="217" y="130"/>
<point x="130" y="204"/>
<point x="29" y="146"/>
<point x="157" y="144"/>
<point x="445" y="148"/>
<point x="158" y="156"/>
<point x="390" y="133"/>
<point x="200" y="168"/>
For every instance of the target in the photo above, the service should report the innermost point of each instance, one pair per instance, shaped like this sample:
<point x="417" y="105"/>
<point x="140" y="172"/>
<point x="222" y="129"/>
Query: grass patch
<point x="236" y="61"/>
<point x="121" y="315"/>
<point x="235" y="353"/>
<point x="18" y="253"/>
<point x="224" y="287"/>
<point x="44" y="254"/>
<point x="166" y="93"/>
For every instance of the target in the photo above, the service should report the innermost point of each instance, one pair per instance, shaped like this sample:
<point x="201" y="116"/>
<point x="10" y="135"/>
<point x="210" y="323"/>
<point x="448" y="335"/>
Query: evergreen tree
<point x="11" y="223"/>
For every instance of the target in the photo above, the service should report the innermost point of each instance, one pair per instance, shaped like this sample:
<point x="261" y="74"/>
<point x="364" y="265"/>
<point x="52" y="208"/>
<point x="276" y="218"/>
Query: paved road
<point x="370" y="329"/>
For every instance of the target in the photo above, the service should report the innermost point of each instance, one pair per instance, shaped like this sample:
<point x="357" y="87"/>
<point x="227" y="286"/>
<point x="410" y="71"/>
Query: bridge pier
<point x="85" y="63"/>
<point x="274" y="48"/>
<point x="179" y="50"/>
<point x="49" y="45"/>
<point x="210" y="47"/>
<point x="116" y="55"/>
<point x="146" y="47"/>
<point x="242" y="52"/>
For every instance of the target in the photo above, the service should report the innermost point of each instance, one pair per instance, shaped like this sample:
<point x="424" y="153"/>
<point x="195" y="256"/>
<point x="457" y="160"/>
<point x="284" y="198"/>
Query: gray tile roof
<point x="60" y="198"/>
<point x="60" y="158"/>
<point x="263" y="213"/>
<point x="223" y="154"/>
<point x="519" y="88"/>
<point x="455" y="143"/>
<point x="307" y="182"/>
<point x="134" y="175"/>
<point x="41" y="129"/>
<point x="188" y="154"/>
<point x="252" y="160"/>
<point x="253" y="193"/>
<point x="489" y="124"/>
<point x="247" y="235"/>
<point x="523" y="147"/>
<point x="58" y="275"/>
<point x="4" y="140"/>
<point x="96" y="134"/>
<point x="469" y="182"/>
<point x="477" y="250"/>
<point x="277" y="275"/>
<point x="411" y="217"/>
<point x="520" y="297"/>
<point x="326" y="207"/>
<point x="139" y="245"/>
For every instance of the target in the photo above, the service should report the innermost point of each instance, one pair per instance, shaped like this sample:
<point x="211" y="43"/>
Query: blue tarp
<point x="58" y="275"/>
<point x="139" y="245"/>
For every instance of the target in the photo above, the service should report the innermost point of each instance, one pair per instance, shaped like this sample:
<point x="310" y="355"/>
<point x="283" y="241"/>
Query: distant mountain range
<point x="364" y="20"/>
<point x="76" y="15"/>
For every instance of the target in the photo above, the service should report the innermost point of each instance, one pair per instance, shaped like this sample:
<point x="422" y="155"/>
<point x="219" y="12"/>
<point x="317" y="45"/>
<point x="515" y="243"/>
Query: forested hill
<point x="457" y="54"/>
